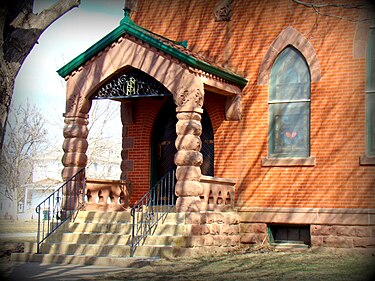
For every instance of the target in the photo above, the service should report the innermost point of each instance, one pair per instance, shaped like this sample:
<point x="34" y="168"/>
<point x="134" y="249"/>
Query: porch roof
<point x="175" y="49"/>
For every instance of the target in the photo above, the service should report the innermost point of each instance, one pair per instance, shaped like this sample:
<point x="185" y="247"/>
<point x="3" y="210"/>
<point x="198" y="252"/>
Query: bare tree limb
<point x="46" y="17"/>
<point x="317" y="6"/>
<point x="344" y="6"/>
<point x="20" y="29"/>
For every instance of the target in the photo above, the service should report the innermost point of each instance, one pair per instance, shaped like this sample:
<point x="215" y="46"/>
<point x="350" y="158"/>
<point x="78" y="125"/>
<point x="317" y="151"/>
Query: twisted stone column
<point x="75" y="158"/>
<point x="188" y="143"/>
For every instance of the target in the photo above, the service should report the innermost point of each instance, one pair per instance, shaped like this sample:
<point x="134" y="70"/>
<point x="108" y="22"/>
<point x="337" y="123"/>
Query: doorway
<point x="163" y="145"/>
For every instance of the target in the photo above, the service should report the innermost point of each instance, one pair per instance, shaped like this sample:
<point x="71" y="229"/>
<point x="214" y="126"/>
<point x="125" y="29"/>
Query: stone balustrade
<point x="218" y="194"/>
<point x="107" y="195"/>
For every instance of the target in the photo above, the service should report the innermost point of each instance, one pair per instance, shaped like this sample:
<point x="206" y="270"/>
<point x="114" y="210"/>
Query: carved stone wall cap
<point x="212" y="179"/>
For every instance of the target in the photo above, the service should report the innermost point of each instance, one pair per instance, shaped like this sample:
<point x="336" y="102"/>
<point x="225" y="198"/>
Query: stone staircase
<point x="104" y="238"/>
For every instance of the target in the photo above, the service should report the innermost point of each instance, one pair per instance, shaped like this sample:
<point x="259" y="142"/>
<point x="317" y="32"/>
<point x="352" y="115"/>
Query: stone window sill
<point x="289" y="162"/>
<point x="366" y="161"/>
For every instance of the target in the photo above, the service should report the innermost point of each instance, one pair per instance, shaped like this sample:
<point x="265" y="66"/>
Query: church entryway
<point x="164" y="149"/>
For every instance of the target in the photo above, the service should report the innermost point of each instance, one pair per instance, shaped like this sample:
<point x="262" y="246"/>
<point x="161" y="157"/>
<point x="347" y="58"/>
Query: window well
<point x="291" y="234"/>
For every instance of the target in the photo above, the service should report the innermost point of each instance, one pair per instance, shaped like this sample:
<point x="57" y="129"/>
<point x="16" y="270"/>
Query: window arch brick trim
<point x="289" y="36"/>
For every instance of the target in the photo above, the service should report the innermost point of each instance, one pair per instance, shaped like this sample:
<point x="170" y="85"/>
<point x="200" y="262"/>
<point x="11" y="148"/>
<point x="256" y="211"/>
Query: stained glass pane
<point x="370" y="79"/>
<point x="289" y="129"/>
<point x="289" y="108"/>
<point x="370" y="120"/>
<point x="290" y="77"/>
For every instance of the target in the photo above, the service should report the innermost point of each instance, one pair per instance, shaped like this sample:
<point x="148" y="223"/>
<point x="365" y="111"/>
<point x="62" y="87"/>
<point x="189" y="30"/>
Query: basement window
<point x="289" y="234"/>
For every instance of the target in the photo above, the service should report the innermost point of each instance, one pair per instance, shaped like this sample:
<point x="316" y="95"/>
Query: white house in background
<point x="46" y="177"/>
<point x="35" y="193"/>
<point x="47" y="166"/>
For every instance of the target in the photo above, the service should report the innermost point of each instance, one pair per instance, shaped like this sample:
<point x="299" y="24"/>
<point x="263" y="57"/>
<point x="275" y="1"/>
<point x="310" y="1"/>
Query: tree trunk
<point x="20" y="29"/>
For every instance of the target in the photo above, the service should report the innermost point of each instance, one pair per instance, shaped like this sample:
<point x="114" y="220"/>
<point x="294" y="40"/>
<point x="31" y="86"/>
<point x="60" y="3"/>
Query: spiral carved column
<point x="75" y="158"/>
<point x="188" y="143"/>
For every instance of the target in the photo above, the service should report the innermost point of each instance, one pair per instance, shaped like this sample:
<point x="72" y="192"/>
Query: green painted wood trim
<point x="127" y="26"/>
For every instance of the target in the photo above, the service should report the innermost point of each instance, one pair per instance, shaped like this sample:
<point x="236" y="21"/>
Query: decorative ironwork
<point x="151" y="208"/>
<point x="60" y="206"/>
<point x="131" y="84"/>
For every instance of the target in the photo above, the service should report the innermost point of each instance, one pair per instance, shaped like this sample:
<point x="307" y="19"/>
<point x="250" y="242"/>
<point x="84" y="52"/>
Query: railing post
<point x="37" y="209"/>
<point x="146" y="214"/>
<point x="53" y="206"/>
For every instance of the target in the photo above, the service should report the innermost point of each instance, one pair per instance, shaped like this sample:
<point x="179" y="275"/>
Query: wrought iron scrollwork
<point x="131" y="84"/>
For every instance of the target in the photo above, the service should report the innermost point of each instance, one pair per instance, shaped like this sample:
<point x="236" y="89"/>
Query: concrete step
<point x="72" y="249"/>
<point x="91" y="238"/>
<point x="145" y="251"/>
<point x="125" y="228"/>
<point x="125" y="262"/>
<point x="95" y="227"/>
<point x="103" y="217"/>
<point x="86" y="249"/>
<point x="120" y="239"/>
<point x="168" y="229"/>
<point x="174" y="241"/>
<point x="121" y="217"/>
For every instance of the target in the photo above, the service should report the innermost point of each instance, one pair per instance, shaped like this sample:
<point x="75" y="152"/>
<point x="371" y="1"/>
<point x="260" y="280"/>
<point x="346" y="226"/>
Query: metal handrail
<point x="60" y="206"/>
<point x="151" y="208"/>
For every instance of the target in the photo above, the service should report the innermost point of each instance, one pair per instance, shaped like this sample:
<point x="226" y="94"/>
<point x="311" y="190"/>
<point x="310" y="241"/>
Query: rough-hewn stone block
<point x="215" y="229"/>
<point x="209" y="240"/>
<point x="231" y="218"/>
<point x="316" y="241"/>
<point x="322" y="230"/>
<point x="337" y="242"/>
<point x="259" y="228"/>
<point x="193" y="218"/>
<point x="364" y="242"/>
<point x="127" y="165"/>
<point x="252" y="238"/>
<point x="230" y="229"/>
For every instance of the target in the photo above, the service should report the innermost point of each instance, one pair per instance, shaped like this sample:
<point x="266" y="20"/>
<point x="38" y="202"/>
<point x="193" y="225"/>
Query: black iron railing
<point x="151" y="208"/>
<point x="60" y="206"/>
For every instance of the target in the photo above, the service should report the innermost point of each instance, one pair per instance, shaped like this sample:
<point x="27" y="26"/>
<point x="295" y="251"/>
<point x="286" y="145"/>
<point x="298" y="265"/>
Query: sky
<point x="61" y="42"/>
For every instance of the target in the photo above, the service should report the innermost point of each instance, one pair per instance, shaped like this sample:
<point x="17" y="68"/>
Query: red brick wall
<point x="337" y="101"/>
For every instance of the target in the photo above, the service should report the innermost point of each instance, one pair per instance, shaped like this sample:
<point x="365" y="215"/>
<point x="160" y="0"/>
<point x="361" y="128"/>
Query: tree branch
<point x="316" y="7"/>
<point x="344" y="6"/>
<point x="46" y="17"/>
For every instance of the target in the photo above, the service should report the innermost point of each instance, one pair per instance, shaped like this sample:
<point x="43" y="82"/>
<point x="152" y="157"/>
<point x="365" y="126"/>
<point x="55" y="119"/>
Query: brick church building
<point x="261" y="114"/>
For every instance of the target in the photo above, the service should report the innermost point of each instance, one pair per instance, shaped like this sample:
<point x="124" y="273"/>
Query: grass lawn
<point x="247" y="264"/>
<point x="268" y="265"/>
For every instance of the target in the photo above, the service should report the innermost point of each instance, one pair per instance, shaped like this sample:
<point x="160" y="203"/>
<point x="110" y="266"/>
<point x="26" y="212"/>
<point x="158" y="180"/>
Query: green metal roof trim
<point x="128" y="26"/>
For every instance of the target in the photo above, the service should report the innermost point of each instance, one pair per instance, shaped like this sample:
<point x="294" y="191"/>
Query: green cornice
<point x="129" y="27"/>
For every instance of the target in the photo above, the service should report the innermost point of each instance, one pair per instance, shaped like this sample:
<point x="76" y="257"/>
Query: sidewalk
<point x="34" y="271"/>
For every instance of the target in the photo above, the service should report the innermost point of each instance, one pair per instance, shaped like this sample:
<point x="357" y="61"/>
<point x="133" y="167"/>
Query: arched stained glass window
<point x="289" y="106"/>
<point x="370" y="94"/>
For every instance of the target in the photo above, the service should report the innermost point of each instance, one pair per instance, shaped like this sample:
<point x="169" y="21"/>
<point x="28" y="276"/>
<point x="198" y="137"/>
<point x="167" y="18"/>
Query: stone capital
<point x="189" y="100"/>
